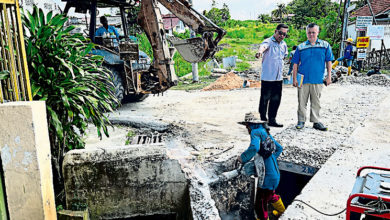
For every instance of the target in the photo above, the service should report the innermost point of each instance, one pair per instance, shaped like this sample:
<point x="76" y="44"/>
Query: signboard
<point x="362" y="22"/>
<point x="361" y="54"/>
<point x="375" y="32"/>
<point x="362" y="42"/>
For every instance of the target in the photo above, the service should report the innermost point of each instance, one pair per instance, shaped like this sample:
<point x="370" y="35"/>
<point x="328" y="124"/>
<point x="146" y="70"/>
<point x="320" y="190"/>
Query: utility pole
<point x="345" y="24"/>
<point x="195" y="75"/>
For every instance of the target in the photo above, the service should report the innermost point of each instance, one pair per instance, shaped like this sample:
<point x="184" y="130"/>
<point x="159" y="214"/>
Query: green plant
<point x="4" y="74"/>
<point x="72" y="82"/>
<point x="144" y="44"/>
<point x="59" y="207"/>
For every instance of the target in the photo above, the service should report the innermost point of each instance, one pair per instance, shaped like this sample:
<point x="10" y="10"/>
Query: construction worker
<point x="266" y="169"/>
<point x="347" y="56"/>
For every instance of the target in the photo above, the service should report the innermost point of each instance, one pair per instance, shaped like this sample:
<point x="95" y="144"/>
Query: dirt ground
<point x="210" y="118"/>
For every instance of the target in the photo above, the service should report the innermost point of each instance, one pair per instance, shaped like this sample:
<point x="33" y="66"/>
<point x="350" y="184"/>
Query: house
<point x="173" y="23"/>
<point x="381" y="10"/>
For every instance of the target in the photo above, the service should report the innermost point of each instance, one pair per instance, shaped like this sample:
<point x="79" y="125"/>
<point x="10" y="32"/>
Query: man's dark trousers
<point x="270" y="97"/>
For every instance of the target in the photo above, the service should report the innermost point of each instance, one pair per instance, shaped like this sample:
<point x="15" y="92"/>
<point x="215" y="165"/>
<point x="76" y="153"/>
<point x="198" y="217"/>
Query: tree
<point x="216" y="15"/>
<point x="264" y="18"/>
<point x="306" y="10"/>
<point x="279" y="12"/>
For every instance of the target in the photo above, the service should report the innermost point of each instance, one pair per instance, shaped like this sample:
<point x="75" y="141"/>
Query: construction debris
<point x="217" y="70"/>
<point x="374" y="80"/>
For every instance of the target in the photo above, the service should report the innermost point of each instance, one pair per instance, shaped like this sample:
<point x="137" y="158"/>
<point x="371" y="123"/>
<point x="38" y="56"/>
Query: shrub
<point x="75" y="86"/>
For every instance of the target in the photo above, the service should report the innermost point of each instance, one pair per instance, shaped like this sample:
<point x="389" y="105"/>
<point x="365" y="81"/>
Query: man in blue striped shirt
<point x="312" y="56"/>
<point x="273" y="50"/>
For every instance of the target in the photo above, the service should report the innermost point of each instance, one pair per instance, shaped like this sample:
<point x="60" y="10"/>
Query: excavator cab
<point x="133" y="77"/>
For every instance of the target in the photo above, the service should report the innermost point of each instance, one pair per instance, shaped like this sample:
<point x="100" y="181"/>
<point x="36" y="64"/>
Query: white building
<point x="381" y="10"/>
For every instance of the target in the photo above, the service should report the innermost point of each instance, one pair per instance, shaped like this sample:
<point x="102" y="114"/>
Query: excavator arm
<point x="192" y="50"/>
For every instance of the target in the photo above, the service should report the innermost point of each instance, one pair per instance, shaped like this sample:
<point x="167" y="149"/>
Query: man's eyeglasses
<point x="282" y="33"/>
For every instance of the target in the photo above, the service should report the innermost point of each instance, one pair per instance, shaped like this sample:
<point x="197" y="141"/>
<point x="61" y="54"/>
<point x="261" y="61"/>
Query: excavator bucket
<point x="192" y="50"/>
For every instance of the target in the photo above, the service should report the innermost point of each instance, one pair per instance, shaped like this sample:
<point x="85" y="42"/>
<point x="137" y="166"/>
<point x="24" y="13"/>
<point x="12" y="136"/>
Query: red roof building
<point x="379" y="8"/>
<point x="173" y="23"/>
<point x="170" y="21"/>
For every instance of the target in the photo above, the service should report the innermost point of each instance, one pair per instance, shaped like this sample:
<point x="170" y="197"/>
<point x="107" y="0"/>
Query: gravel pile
<point x="374" y="80"/>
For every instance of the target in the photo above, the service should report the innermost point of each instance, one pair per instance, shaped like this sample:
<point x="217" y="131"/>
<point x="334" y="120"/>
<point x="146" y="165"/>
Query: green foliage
<point x="4" y="75"/>
<point x="216" y="15"/>
<point x="279" y="12"/>
<point x="242" y="66"/>
<point x="307" y="10"/>
<point x="265" y="18"/>
<point x="189" y="85"/>
<point x="182" y="67"/>
<point x="132" y="15"/>
<point x="59" y="208"/>
<point x="144" y="44"/>
<point x="184" y="35"/>
<point x="75" y="86"/>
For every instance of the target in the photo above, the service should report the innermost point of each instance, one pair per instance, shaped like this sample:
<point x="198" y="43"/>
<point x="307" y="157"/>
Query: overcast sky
<point x="241" y="9"/>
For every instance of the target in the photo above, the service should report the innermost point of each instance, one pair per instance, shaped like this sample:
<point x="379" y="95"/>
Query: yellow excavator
<point x="133" y="76"/>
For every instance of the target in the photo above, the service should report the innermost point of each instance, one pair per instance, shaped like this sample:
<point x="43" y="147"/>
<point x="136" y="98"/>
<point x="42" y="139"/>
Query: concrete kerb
<point x="140" y="122"/>
<point x="329" y="189"/>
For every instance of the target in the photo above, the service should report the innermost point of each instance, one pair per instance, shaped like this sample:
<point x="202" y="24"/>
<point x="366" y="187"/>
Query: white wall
<point x="373" y="43"/>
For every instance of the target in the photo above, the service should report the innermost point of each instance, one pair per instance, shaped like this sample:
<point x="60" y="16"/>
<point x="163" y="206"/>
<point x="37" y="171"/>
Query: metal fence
<point x="14" y="77"/>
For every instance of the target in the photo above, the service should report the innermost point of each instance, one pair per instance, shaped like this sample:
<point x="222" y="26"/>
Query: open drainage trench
<point x="214" y="197"/>
<point x="232" y="199"/>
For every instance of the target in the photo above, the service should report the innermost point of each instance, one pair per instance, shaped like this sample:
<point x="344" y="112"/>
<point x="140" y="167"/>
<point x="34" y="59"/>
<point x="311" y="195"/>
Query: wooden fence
<point x="14" y="77"/>
<point x="377" y="58"/>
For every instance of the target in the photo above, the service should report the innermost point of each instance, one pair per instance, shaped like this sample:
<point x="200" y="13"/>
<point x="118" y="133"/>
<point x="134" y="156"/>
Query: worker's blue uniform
<point x="272" y="174"/>
<point x="347" y="55"/>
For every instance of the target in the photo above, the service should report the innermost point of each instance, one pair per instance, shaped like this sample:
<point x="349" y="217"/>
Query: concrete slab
<point x="329" y="189"/>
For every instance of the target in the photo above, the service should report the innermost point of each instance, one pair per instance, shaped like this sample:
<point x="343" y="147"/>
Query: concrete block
<point x="26" y="160"/>
<point x="126" y="181"/>
<point x="73" y="215"/>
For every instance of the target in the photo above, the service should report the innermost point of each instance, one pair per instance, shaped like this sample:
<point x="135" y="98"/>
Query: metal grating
<point x="14" y="80"/>
<point x="145" y="139"/>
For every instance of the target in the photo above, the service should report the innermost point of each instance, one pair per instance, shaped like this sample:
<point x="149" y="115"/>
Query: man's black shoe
<point x="319" y="126"/>
<point x="273" y="123"/>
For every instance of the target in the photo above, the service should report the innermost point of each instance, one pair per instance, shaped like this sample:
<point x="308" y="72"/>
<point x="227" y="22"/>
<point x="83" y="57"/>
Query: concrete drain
<point x="147" y="139"/>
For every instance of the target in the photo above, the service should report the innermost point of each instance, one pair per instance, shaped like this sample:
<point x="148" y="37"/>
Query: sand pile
<point x="226" y="82"/>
